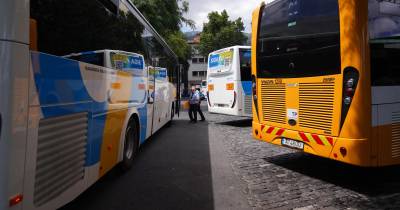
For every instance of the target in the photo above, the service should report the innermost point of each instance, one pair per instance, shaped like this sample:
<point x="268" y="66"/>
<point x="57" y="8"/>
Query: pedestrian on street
<point x="202" y="97"/>
<point x="194" y="100"/>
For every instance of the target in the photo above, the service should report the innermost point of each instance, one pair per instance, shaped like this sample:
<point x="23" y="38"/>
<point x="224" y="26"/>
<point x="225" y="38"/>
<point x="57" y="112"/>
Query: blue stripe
<point x="246" y="87"/>
<point x="61" y="92"/>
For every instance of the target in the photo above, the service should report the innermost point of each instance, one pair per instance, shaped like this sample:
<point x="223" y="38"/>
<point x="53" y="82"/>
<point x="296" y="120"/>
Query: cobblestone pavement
<point x="280" y="178"/>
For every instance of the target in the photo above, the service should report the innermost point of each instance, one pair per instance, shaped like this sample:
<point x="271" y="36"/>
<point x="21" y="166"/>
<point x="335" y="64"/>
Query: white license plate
<point x="293" y="143"/>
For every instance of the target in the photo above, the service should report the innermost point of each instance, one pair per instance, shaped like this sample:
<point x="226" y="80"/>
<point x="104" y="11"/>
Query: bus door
<point x="150" y="99"/>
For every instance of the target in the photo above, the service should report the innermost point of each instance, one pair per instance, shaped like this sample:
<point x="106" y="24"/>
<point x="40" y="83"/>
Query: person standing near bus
<point x="202" y="97"/>
<point x="194" y="101"/>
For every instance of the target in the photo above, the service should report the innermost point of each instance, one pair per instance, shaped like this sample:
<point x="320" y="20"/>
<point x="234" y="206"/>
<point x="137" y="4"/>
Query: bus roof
<point x="232" y="47"/>
<point x="100" y="51"/>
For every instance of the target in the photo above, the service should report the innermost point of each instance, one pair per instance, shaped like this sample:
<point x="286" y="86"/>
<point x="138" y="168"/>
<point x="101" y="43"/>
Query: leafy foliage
<point x="220" y="32"/>
<point x="166" y="16"/>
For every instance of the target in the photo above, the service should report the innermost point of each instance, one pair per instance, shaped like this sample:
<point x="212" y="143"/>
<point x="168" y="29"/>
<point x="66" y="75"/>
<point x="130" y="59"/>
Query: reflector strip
<point x="317" y="139"/>
<point x="280" y="132"/>
<point x="16" y="200"/>
<point x="303" y="136"/>
<point x="306" y="137"/>
<point x="270" y="129"/>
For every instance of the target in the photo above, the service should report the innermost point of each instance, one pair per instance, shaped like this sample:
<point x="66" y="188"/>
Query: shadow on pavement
<point x="372" y="182"/>
<point x="172" y="171"/>
<point x="238" y="123"/>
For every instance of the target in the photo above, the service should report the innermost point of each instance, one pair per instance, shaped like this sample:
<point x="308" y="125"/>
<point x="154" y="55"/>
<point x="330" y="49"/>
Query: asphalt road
<point x="218" y="165"/>
<point x="182" y="167"/>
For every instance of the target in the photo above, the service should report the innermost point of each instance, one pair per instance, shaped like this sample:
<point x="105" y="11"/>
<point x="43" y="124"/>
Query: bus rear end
<point x="305" y="79"/>
<point x="222" y="82"/>
<point x="229" y="81"/>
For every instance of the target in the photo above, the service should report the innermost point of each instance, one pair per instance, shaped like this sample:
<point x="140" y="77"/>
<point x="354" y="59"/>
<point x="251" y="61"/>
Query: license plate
<point x="293" y="143"/>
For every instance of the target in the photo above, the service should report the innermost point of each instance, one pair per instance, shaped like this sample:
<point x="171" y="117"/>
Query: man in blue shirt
<point x="194" y="100"/>
<point x="202" y="97"/>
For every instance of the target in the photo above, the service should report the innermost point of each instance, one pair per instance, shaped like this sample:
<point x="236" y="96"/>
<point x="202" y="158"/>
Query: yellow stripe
<point x="310" y="138"/>
<point x="274" y="131"/>
<point x="323" y="139"/>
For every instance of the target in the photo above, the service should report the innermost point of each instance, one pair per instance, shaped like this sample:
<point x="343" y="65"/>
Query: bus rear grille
<point x="316" y="106"/>
<point x="248" y="104"/>
<point x="61" y="155"/>
<point x="273" y="98"/>
<point x="396" y="134"/>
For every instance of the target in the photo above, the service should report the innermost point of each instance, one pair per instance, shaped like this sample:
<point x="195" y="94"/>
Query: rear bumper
<point x="352" y="151"/>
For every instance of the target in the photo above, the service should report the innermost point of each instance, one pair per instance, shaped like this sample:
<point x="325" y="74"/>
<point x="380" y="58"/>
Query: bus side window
<point x="385" y="69"/>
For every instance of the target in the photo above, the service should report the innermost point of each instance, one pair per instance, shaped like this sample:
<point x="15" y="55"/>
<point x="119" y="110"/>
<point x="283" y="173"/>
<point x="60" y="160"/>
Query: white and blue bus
<point x="229" y="81"/>
<point x="65" y="121"/>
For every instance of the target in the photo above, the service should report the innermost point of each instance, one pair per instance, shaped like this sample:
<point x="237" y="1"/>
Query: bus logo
<point x="214" y="61"/>
<point x="328" y="80"/>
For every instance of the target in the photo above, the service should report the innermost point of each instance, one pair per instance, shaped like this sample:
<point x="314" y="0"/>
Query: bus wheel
<point x="131" y="145"/>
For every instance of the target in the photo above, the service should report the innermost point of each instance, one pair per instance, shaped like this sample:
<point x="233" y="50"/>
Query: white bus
<point x="203" y="87"/>
<point x="66" y="121"/>
<point x="229" y="81"/>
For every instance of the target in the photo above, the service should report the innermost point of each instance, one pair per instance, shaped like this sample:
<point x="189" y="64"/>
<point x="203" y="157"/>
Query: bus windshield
<point x="220" y="62"/>
<point x="299" y="38"/>
<point x="245" y="64"/>
<point x="128" y="62"/>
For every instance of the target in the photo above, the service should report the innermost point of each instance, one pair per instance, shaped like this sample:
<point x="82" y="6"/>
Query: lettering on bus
<point x="328" y="80"/>
<point x="267" y="82"/>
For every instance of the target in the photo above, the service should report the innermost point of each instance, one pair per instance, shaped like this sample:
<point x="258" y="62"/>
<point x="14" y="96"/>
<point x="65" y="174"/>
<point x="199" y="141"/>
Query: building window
<point x="195" y="73"/>
<point x="201" y="60"/>
<point x="194" y="60"/>
<point x="202" y="73"/>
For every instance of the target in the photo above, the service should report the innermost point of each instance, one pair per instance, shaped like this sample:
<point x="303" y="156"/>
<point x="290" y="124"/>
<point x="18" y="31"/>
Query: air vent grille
<point x="61" y="155"/>
<point x="248" y="104"/>
<point x="273" y="98"/>
<point x="396" y="134"/>
<point x="316" y="106"/>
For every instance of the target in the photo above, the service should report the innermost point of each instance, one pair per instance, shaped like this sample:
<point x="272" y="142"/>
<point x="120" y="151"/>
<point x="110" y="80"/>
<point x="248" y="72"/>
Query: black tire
<point x="131" y="145"/>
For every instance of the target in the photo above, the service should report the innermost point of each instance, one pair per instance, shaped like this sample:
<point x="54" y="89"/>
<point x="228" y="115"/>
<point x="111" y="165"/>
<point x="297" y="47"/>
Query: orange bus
<point x="325" y="78"/>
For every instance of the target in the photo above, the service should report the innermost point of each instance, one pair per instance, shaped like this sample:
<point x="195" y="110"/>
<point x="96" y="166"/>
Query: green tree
<point x="220" y="32"/>
<point x="167" y="17"/>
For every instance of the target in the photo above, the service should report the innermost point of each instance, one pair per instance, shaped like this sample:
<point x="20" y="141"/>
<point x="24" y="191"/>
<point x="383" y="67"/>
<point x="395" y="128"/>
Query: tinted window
<point x="299" y="38"/>
<point x="92" y="58"/>
<point x="384" y="65"/>
<point x="384" y="18"/>
<point x="74" y="26"/>
<point x="299" y="17"/>
<point x="245" y="65"/>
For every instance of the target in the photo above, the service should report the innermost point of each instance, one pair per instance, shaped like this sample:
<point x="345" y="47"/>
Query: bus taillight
<point x="350" y="82"/>
<point x="254" y="92"/>
<point x="254" y="88"/>
<point x="16" y="200"/>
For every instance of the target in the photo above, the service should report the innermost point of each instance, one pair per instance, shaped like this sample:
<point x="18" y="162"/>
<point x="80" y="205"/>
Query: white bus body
<point x="65" y="123"/>
<point x="229" y="81"/>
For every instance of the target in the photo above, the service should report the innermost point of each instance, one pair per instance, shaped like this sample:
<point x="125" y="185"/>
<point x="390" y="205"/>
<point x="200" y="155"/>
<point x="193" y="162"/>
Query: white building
<point x="198" y="64"/>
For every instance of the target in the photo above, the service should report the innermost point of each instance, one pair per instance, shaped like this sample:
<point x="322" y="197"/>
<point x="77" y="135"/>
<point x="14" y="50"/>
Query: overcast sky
<point x="199" y="9"/>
